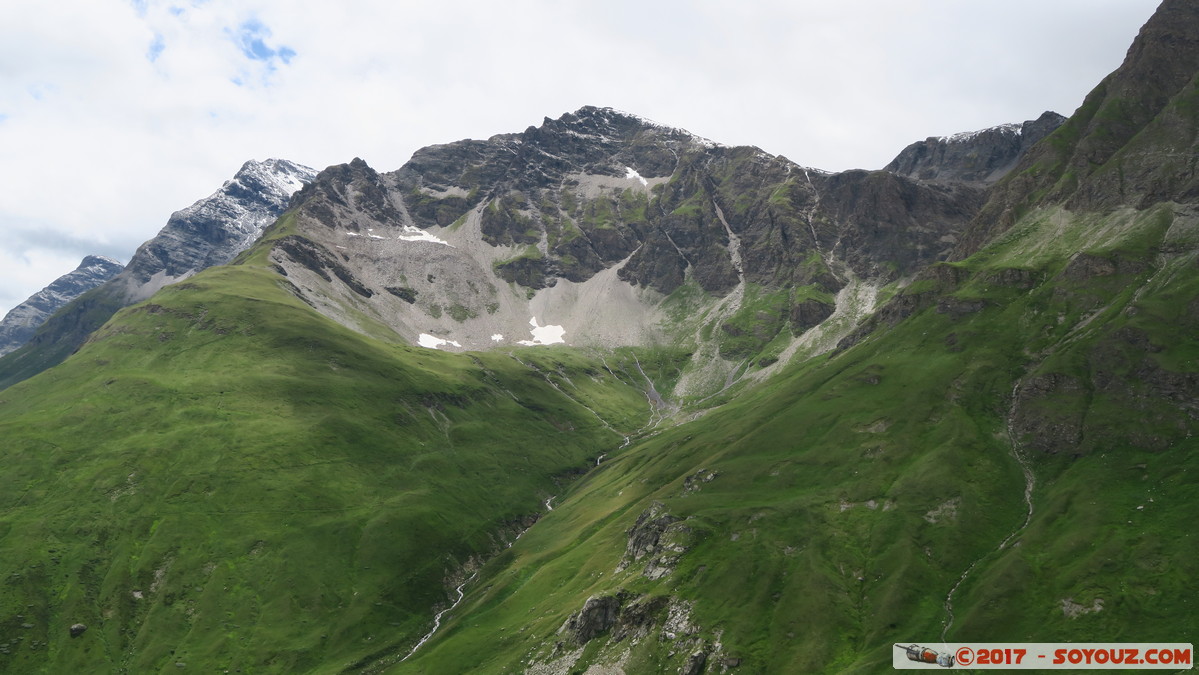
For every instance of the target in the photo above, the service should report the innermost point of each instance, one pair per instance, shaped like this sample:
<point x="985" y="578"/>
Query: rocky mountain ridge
<point x="22" y="321"/>
<point x="599" y="222"/>
<point x="212" y="231"/>
<point x="215" y="229"/>
<point x="982" y="156"/>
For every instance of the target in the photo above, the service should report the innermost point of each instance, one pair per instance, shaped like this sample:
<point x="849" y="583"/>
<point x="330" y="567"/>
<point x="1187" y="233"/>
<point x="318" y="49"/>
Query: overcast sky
<point x="115" y="113"/>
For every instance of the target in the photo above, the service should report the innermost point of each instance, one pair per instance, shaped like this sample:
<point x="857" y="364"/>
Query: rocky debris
<point x="658" y="537"/>
<point x="1073" y="610"/>
<point x="946" y="511"/>
<point x="622" y="615"/>
<point x="696" y="480"/>
<point x="646" y="533"/>
<point x="678" y="621"/>
<point x="982" y="156"/>
<point x="597" y="616"/>
<point x="77" y="630"/>
<point x="20" y="324"/>
<point x="320" y="261"/>
<point x="627" y="615"/>
<point x="638" y="616"/>
<point x="695" y="664"/>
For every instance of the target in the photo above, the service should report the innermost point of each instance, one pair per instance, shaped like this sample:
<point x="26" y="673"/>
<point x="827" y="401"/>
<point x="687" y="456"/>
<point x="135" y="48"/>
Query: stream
<point x="1029" y="482"/>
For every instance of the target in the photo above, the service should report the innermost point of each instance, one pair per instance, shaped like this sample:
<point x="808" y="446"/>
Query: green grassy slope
<point x="224" y="479"/>
<point x="60" y="336"/>
<point x="827" y="514"/>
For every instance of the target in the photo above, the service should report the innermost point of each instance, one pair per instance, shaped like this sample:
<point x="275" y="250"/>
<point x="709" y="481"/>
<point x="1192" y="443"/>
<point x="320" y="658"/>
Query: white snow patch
<point x="416" y="234"/>
<point x="965" y="136"/>
<point x="290" y="183"/>
<point x="544" y="335"/>
<point x="630" y="173"/>
<point x="432" y="342"/>
<point x="497" y="338"/>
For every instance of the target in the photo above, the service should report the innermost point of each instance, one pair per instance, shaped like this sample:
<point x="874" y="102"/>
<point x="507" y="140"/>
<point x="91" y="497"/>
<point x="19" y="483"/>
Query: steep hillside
<point x="1131" y="143"/>
<point x="1015" y="461"/>
<point x="222" y="478"/>
<point x="795" y="417"/>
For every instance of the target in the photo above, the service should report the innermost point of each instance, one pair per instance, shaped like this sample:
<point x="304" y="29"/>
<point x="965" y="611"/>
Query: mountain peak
<point x="94" y="260"/>
<point x="620" y="123"/>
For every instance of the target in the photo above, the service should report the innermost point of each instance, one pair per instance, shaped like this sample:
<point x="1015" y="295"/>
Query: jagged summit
<point x="611" y="121"/>
<point x="215" y="229"/>
<point x="588" y="222"/>
<point x="983" y="156"/>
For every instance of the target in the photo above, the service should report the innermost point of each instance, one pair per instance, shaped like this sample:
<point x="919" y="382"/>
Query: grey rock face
<point x="595" y="187"/>
<point x="215" y="229"/>
<point x="588" y="220"/>
<point x="982" y="156"/>
<point x="597" y="616"/>
<point x="23" y="320"/>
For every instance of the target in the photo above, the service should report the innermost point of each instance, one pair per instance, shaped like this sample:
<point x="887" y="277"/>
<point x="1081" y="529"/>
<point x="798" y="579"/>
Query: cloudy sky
<point x="115" y="113"/>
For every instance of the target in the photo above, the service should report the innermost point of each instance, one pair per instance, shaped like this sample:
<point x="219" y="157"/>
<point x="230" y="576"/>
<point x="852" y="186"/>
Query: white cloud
<point x="113" y="114"/>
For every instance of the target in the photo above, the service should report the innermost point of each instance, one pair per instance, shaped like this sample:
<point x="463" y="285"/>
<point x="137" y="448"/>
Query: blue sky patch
<point x="251" y="36"/>
<point x="156" y="48"/>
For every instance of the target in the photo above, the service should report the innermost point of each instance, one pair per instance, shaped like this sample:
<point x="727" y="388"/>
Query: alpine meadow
<point x="603" y="396"/>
